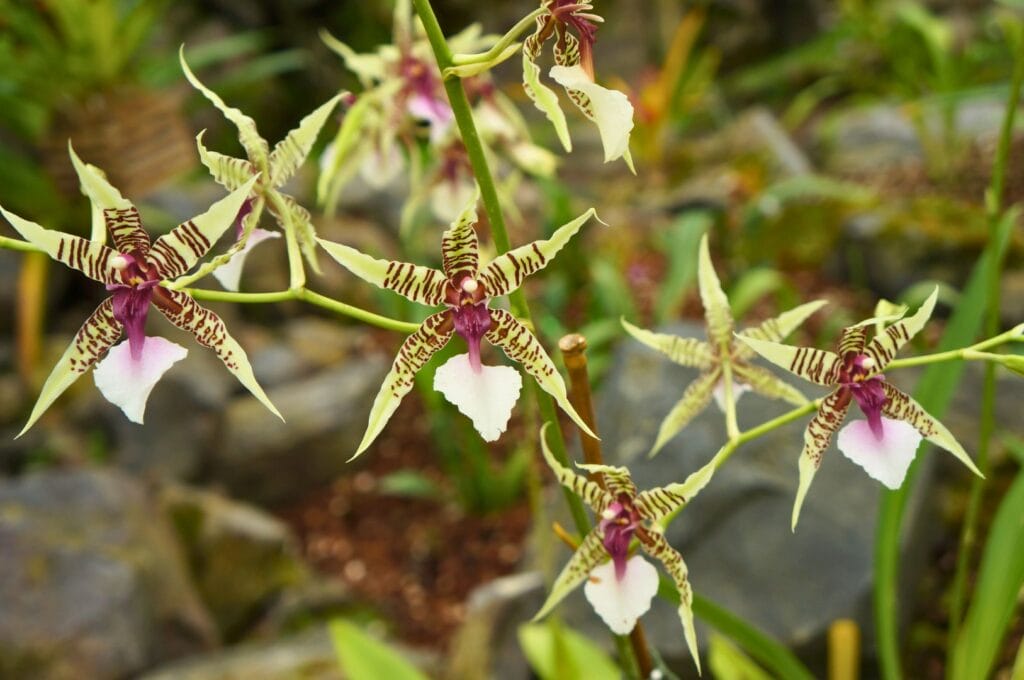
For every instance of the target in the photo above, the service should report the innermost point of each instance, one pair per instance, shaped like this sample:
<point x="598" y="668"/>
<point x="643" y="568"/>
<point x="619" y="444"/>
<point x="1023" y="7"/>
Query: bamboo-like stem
<point x="574" y="347"/>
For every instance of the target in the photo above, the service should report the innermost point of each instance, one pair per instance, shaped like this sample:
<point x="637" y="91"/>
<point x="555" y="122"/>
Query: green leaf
<point x="363" y="658"/>
<point x="1000" y="578"/>
<point x="559" y="653"/>
<point x="934" y="392"/>
<point x="728" y="662"/>
<point x="409" y="484"/>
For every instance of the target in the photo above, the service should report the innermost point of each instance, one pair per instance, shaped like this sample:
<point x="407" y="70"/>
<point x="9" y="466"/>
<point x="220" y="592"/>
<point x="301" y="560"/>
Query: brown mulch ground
<point x="414" y="560"/>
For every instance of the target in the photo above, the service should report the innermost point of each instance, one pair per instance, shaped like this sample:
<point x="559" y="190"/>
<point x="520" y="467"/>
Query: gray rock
<point x="92" y="580"/>
<point x="325" y="416"/>
<point x="220" y="536"/>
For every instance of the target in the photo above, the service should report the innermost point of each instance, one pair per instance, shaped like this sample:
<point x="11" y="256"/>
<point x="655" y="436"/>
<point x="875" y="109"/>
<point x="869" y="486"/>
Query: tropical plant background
<point x="844" y="151"/>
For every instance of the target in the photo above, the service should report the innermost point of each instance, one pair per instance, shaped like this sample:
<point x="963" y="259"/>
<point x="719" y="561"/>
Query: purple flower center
<point x="868" y="391"/>
<point x="131" y="299"/>
<point x="618" y="523"/>
<point x="472" y="321"/>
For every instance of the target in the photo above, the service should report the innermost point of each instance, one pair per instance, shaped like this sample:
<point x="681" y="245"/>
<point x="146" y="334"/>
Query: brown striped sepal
<point x="589" y="492"/>
<point x="901" y="406"/>
<point x="89" y="257"/>
<point x="291" y="152"/>
<point x="616" y="479"/>
<point x="209" y="331"/>
<point x="99" y="332"/>
<point x="433" y="334"/>
<point x="767" y="384"/>
<point x="543" y="97"/>
<point x="610" y="110"/>
<point x="816" y="365"/>
<point x="778" y="328"/>
<point x="588" y="555"/>
<point x="655" y="545"/>
<point x="695" y="397"/>
<point x="424" y="285"/>
<point x="884" y="346"/>
<point x="683" y="351"/>
<point x="817" y="437"/>
<point x="521" y="346"/>
<point x="506" y="272"/>
<point x="460" y="251"/>
<point x="227" y="171"/>
<point x="717" y="312"/>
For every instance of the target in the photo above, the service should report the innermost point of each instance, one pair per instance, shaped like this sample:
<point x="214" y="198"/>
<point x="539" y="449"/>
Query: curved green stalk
<point x="297" y="271"/>
<point x="503" y="43"/>
<point x="17" y="244"/>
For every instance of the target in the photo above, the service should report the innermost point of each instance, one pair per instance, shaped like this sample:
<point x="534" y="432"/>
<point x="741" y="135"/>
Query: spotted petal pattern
<point x="655" y="545"/>
<point x="178" y="250"/>
<point x="588" y="555"/>
<point x="816" y="365"/>
<point x="506" y="272"/>
<point x="901" y="406"/>
<point x="590" y="492"/>
<point x="816" y="440"/>
<point x="209" y="331"/>
<point x="694" y="399"/>
<point x="89" y="257"/>
<point x="419" y="284"/>
<point x="94" y="338"/>
<point x="256" y="148"/>
<point x="290" y="152"/>
<point x="433" y="334"/>
<point x="684" y="351"/>
<point x="520" y="345"/>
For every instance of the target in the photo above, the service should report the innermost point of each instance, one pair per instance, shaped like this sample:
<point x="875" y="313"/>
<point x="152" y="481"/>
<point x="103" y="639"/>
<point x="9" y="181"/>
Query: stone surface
<point x="325" y="416"/>
<point x="92" y="581"/>
<point x="242" y="559"/>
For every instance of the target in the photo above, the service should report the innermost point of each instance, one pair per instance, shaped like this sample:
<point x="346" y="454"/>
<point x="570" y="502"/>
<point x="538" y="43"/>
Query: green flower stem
<point x="510" y="37"/>
<point x="994" y="204"/>
<point x="17" y="244"/>
<point x="499" y="232"/>
<point x="732" y="429"/>
<point x="743" y="437"/>
<point x="306" y="295"/>
<point x="297" y="270"/>
<point x="974" y="352"/>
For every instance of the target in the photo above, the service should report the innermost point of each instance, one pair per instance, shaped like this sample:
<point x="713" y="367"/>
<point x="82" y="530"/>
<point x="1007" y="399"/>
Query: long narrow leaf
<point x="934" y="392"/>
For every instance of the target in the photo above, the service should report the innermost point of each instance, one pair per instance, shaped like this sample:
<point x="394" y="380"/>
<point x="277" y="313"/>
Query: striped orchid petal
<point x="227" y="171"/>
<point x="901" y="406"/>
<point x="433" y="334"/>
<point x="256" y="148"/>
<point x="506" y="272"/>
<point x="419" y="284"/>
<point x="520" y="345"/>
<point x="590" y="492"/>
<point x="716" y="304"/>
<point x="291" y="152"/>
<point x="543" y="97"/>
<point x="609" y="109"/>
<point x="588" y="555"/>
<point x="126" y="381"/>
<point x="460" y="251"/>
<point x="97" y="334"/>
<point x="684" y="351"/>
<point x="851" y="340"/>
<point x="778" y="329"/>
<point x="695" y="397"/>
<point x="128" y="235"/>
<point x="767" y="384"/>
<point x="209" y="331"/>
<point x="621" y="601"/>
<point x="885" y="345"/>
<point x="815" y="365"/>
<point x="616" y="478"/>
<point x="816" y="440"/>
<point x="177" y="251"/>
<point x="655" y="504"/>
<point x="89" y="257"/>
<point x="655" y="545"/>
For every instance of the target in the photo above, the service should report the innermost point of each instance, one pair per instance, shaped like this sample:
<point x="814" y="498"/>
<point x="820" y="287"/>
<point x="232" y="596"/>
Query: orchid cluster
<point x="404" y="110"/>
<point x="403" y="101"/>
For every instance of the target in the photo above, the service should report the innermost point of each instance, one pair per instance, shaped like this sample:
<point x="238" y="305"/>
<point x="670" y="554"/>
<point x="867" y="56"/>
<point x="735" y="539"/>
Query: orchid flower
<point x="272" y="168"/>
<point x="885" y="443"/>
<point x="486" y="394"/>
<point x="574" y="28"/>
<point x="621" y="589"/>
<point x="133" y="271"/>
<point x="720" y="353"/>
